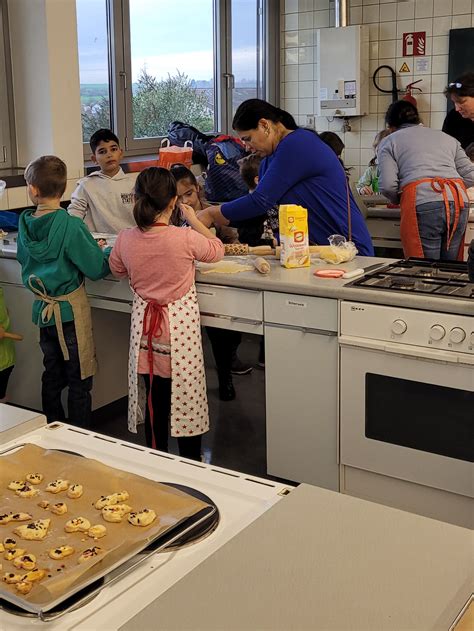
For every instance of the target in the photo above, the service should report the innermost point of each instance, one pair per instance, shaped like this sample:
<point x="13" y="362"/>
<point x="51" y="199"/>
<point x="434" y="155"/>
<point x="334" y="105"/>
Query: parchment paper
<point x="122" y="539"/>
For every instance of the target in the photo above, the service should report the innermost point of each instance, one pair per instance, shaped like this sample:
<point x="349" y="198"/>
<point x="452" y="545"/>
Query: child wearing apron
<point x="165" y="361"/>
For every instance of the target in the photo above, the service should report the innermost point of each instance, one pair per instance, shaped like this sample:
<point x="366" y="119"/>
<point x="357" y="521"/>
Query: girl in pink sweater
<point x="165" y="360"/>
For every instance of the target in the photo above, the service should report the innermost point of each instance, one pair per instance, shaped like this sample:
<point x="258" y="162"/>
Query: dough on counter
<point x="16" y="484"/>
<point x="9" y="543"/>
<point x="89" y="554"/>
<point x="75" y="491"/>
<point x="262" y="265"/>
<point x="24" y="587"/>
<point x="26" y="491"/>
<point x="34" y="478"/>
<point x="57" y="486"/>
<point x="61" y="552"/>
<point x="13" y="553"/>
<point x="111" y="500"/>
<point x="142" y="518"/>
<point x="25" y="562"/>
<point x="97" y="532"/>
<point x="2" y="549"/>
<point x="5" y="519"/>
<point x="115" y="513"/>
<point x="78" y="524"/>
<point x="36" y="531"/>
<point x="226" y="267"/>
<point x="59" y="509"/>
<point x="10" y="578"/>
<point x="21" y="516"/>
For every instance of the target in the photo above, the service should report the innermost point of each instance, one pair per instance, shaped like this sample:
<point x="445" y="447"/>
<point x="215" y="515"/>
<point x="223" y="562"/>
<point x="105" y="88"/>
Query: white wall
<point x="45" y="72"/>
<point x="387" y="20"/>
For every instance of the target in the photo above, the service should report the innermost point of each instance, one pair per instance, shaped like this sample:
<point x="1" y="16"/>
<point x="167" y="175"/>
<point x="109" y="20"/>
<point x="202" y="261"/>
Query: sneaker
<point x="239" y="368"/>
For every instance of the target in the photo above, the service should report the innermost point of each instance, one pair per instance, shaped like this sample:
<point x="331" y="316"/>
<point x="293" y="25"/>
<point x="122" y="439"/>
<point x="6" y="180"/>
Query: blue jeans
<point x="59" y="374"/>
<point x="432" y="227"/>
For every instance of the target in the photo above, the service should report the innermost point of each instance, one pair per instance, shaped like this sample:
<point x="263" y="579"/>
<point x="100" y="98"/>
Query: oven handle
<point x="407" y="351"/>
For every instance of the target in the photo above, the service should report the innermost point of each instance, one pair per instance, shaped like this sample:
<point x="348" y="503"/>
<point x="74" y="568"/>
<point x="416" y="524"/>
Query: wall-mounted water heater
<point x="343" y="71"/>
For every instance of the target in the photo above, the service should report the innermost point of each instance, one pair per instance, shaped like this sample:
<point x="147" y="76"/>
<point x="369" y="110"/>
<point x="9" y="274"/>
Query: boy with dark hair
<point x="56" y="251"/>
<point x="104" y="199"/>
<point x="258" y="230"/>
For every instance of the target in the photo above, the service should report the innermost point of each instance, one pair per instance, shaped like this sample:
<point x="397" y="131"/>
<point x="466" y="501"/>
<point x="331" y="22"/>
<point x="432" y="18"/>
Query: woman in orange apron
<point x="427" y="173"/>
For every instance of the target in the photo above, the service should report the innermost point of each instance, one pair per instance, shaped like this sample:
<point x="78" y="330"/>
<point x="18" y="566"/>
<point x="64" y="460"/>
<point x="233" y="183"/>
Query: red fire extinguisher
<point x="409" y="92"/>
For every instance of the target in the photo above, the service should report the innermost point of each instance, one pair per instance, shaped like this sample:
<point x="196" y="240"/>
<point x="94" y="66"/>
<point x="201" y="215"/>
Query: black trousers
<point x="188" y="446"/>
<point x="59" y="374"/>
<point x="224" y="346"/>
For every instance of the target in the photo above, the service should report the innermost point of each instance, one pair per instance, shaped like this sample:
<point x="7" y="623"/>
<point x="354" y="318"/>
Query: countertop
<point x="303" y="281"/>
<point x="297" y="281"/>
<point x="321" y="560"/>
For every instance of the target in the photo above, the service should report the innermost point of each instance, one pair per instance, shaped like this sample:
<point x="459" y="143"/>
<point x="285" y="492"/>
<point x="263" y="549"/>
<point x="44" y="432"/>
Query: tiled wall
<point x="387" y="21"/>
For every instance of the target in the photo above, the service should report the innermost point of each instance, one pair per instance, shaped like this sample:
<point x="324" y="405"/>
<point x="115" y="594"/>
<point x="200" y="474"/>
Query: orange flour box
<point x="294" y="236"/>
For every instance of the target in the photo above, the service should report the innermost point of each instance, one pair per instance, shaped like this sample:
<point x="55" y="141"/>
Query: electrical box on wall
<point x="343" y="71"/>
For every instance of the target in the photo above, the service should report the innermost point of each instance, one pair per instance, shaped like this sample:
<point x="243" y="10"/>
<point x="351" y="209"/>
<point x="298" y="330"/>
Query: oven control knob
<point x="399" y="327"/>
<point x="437" y="332"/>
<point x="457" y="335"/>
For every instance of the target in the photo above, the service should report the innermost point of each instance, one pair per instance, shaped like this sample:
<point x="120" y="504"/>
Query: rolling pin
<point x="241" y="249"/>
<point x="10" y="336"/>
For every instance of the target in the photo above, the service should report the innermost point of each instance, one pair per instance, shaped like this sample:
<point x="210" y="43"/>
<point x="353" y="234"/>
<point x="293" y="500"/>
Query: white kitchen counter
<point x="294" y="281"/>
<point x="327" y="562"/>
<point x="303" y="281"/>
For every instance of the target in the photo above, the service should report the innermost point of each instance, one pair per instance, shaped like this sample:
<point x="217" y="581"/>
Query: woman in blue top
<point x="298" y="168"/>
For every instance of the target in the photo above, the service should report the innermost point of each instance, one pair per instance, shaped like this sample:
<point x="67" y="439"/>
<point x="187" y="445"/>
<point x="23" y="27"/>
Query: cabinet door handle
<point x="246" y="321"/>
<point x="303" y="329"/>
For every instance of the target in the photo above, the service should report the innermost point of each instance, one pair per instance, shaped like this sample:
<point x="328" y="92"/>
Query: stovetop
<point x="240" y="499"/>
<point x="440" y="279"/>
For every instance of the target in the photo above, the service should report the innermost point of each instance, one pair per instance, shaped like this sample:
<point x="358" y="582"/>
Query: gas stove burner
<point x="67" y="604"/>
<point x="448" y="279"/>
<point x="402" y="282"/>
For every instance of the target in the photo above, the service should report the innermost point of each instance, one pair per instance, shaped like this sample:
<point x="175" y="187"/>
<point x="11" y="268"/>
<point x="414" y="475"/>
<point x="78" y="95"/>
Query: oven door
<point x="407" y="416"/>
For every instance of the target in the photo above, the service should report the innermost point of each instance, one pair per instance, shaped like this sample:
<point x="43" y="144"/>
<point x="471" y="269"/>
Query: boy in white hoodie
<point x="104" y="199"/>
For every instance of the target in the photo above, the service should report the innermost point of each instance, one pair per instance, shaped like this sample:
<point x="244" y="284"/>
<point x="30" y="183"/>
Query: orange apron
<point x="410" y="235"/>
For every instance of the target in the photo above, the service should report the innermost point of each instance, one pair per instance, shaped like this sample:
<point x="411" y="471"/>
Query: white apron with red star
<point x="189" y="409"/>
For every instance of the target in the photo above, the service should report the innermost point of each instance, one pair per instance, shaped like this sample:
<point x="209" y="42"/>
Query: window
<point x="5" y="139"/>
<point x="92" y="30"/>
<point x="146" y="63"/>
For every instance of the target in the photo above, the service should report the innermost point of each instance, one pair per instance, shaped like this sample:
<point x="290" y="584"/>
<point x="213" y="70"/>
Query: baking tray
<point x="177" y="514"/>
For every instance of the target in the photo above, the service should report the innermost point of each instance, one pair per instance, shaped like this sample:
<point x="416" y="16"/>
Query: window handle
<point x="229" y="80"/>
<point x="123" y="76"/>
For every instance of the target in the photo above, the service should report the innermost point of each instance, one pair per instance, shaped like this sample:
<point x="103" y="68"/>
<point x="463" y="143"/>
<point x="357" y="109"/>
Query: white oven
<point x="407" y="395"/>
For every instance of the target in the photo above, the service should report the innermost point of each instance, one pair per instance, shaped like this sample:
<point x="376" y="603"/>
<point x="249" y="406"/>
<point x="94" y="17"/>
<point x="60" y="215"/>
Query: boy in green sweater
<point x="57" y="252"/>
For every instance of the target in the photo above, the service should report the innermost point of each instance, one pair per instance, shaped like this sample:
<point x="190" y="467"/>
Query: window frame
<point x="7" y="139"/>
<point x="120" y="63"/>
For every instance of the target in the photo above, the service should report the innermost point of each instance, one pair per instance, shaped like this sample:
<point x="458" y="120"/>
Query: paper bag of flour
<point x="294" y="236"/>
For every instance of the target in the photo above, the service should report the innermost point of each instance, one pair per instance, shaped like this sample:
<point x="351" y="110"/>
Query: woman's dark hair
<point x="251" y="111"/>
<point x="154" y="189"/>
<point x="463" y="86"/>
<point x="332" y="140"/>
<point x="402" y="113"/>
<point x="181" y="172"/>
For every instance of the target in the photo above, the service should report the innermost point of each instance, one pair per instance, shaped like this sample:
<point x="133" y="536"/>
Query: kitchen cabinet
<point x="301" y="377"/>
<point x="111" y="334"/>
<point x="231" y="308"/>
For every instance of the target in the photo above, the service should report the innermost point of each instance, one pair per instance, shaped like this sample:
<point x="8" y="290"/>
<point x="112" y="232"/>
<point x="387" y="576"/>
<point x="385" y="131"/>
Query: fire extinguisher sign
<point x="414" y="44"/>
